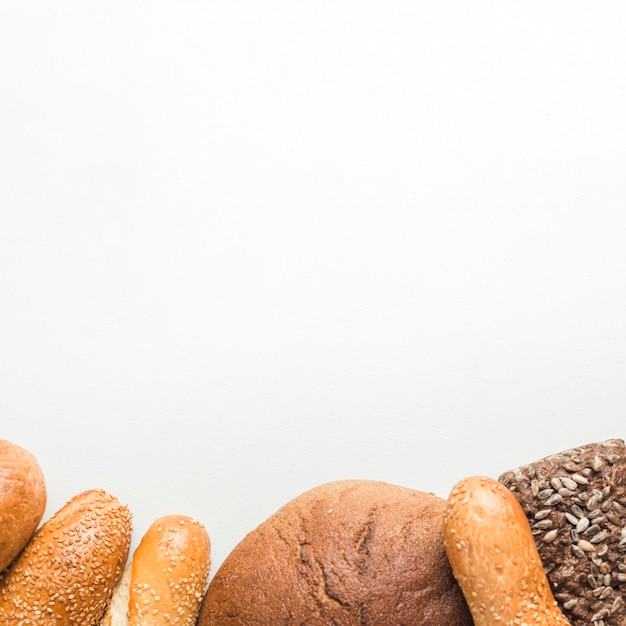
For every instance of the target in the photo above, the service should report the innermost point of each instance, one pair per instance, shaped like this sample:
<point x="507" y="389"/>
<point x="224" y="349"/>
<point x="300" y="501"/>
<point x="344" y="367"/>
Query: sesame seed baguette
<point x="492" y="552"/>
<point x="167" y="577"/>
<point x="23" y="499"/>
<point x="66" y="573"/>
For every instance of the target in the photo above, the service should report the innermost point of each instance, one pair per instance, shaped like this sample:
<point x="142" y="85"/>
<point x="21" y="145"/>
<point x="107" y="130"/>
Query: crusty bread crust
<point x="67" y="571"/>
<point x="23" y="499"/>
<point x="170" y="568"/>
<point x="346" y="553"/>
<point x="493" y="556"/>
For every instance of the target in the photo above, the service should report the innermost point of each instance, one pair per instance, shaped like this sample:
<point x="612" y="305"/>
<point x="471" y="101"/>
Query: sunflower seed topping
<point x="581" y="491"/>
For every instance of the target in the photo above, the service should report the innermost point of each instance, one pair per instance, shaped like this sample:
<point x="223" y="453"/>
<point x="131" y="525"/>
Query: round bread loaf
<point x="66" y="573"/>
<point x="23" y="499"/>
<point x="348" y="553"/>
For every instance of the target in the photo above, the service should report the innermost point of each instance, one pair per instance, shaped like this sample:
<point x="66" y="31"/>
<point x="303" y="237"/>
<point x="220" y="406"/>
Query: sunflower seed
<point x="582" y="525"/>
<point x="598" y="537"/>
<point x="555" y="481"/>
<point x="569" y="483"/>
<point x="543" y="524"/>
<point x="585" y="546"/>
<point x="606" y="505"/>
<point x="592" y="502"/>
<point x="542" y="513"/>
<point x="592" y="530"/>
<point x="602" y="550"/>
<point x="617" y="604"/>
<point x="555" y="498"/>
<point x="580" y="479"/>
<point x="613" y="517"/>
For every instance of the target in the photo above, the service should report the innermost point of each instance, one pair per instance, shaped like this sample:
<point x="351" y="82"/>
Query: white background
<point x="250" y="247"/>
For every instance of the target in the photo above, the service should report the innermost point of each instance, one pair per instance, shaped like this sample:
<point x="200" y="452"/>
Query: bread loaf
<point x="575" y="502"/>
<point x="493" y="556"/>
<point x="23" y="499"/>
<point x="166" y="580"/>
<point x="66" y="573"/>
<point x="346" y="553"/>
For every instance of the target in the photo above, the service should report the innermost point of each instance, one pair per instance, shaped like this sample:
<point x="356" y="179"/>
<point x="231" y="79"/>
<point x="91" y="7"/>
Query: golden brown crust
<point x="22" y="499"/>
<point x="348" y="553"/>
<point x="492" y="552"/>
<point x="170" y="568"/>
<point x="67" y="571"/>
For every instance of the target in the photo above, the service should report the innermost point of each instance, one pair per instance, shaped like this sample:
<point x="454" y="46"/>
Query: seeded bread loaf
<point x="66" y="573"/>
<point x="348" y="553"/>
<point x="23" y="499"/>
<point x="575" y="502"/>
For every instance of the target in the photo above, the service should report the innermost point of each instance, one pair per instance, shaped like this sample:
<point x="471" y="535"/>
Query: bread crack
<point x="323" y="588"/>
<point x="363" y="540"/>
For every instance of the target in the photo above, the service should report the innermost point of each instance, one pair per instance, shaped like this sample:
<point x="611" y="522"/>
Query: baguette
<point x="492" y="552"/>
<point x="166" y="580"/>
<point x="66" y="573"/>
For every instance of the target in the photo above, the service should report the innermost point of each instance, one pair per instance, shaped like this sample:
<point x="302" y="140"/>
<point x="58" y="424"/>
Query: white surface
<point x="250" y="247"/>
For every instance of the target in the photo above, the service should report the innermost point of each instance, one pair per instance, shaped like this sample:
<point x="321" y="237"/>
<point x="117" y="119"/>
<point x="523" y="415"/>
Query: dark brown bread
<point x="347" y="553"/>
<point x="23" y="499"/>
<point x="575" y="502"/>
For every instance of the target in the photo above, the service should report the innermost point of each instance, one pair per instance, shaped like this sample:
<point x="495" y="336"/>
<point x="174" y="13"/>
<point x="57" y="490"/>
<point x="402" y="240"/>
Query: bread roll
<point x="575" y="501"/>
<point x="345" y="553"/>
<point x="66" y="573"/>
<point x="23" y="499"/>
<point x="166" y="580"/>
